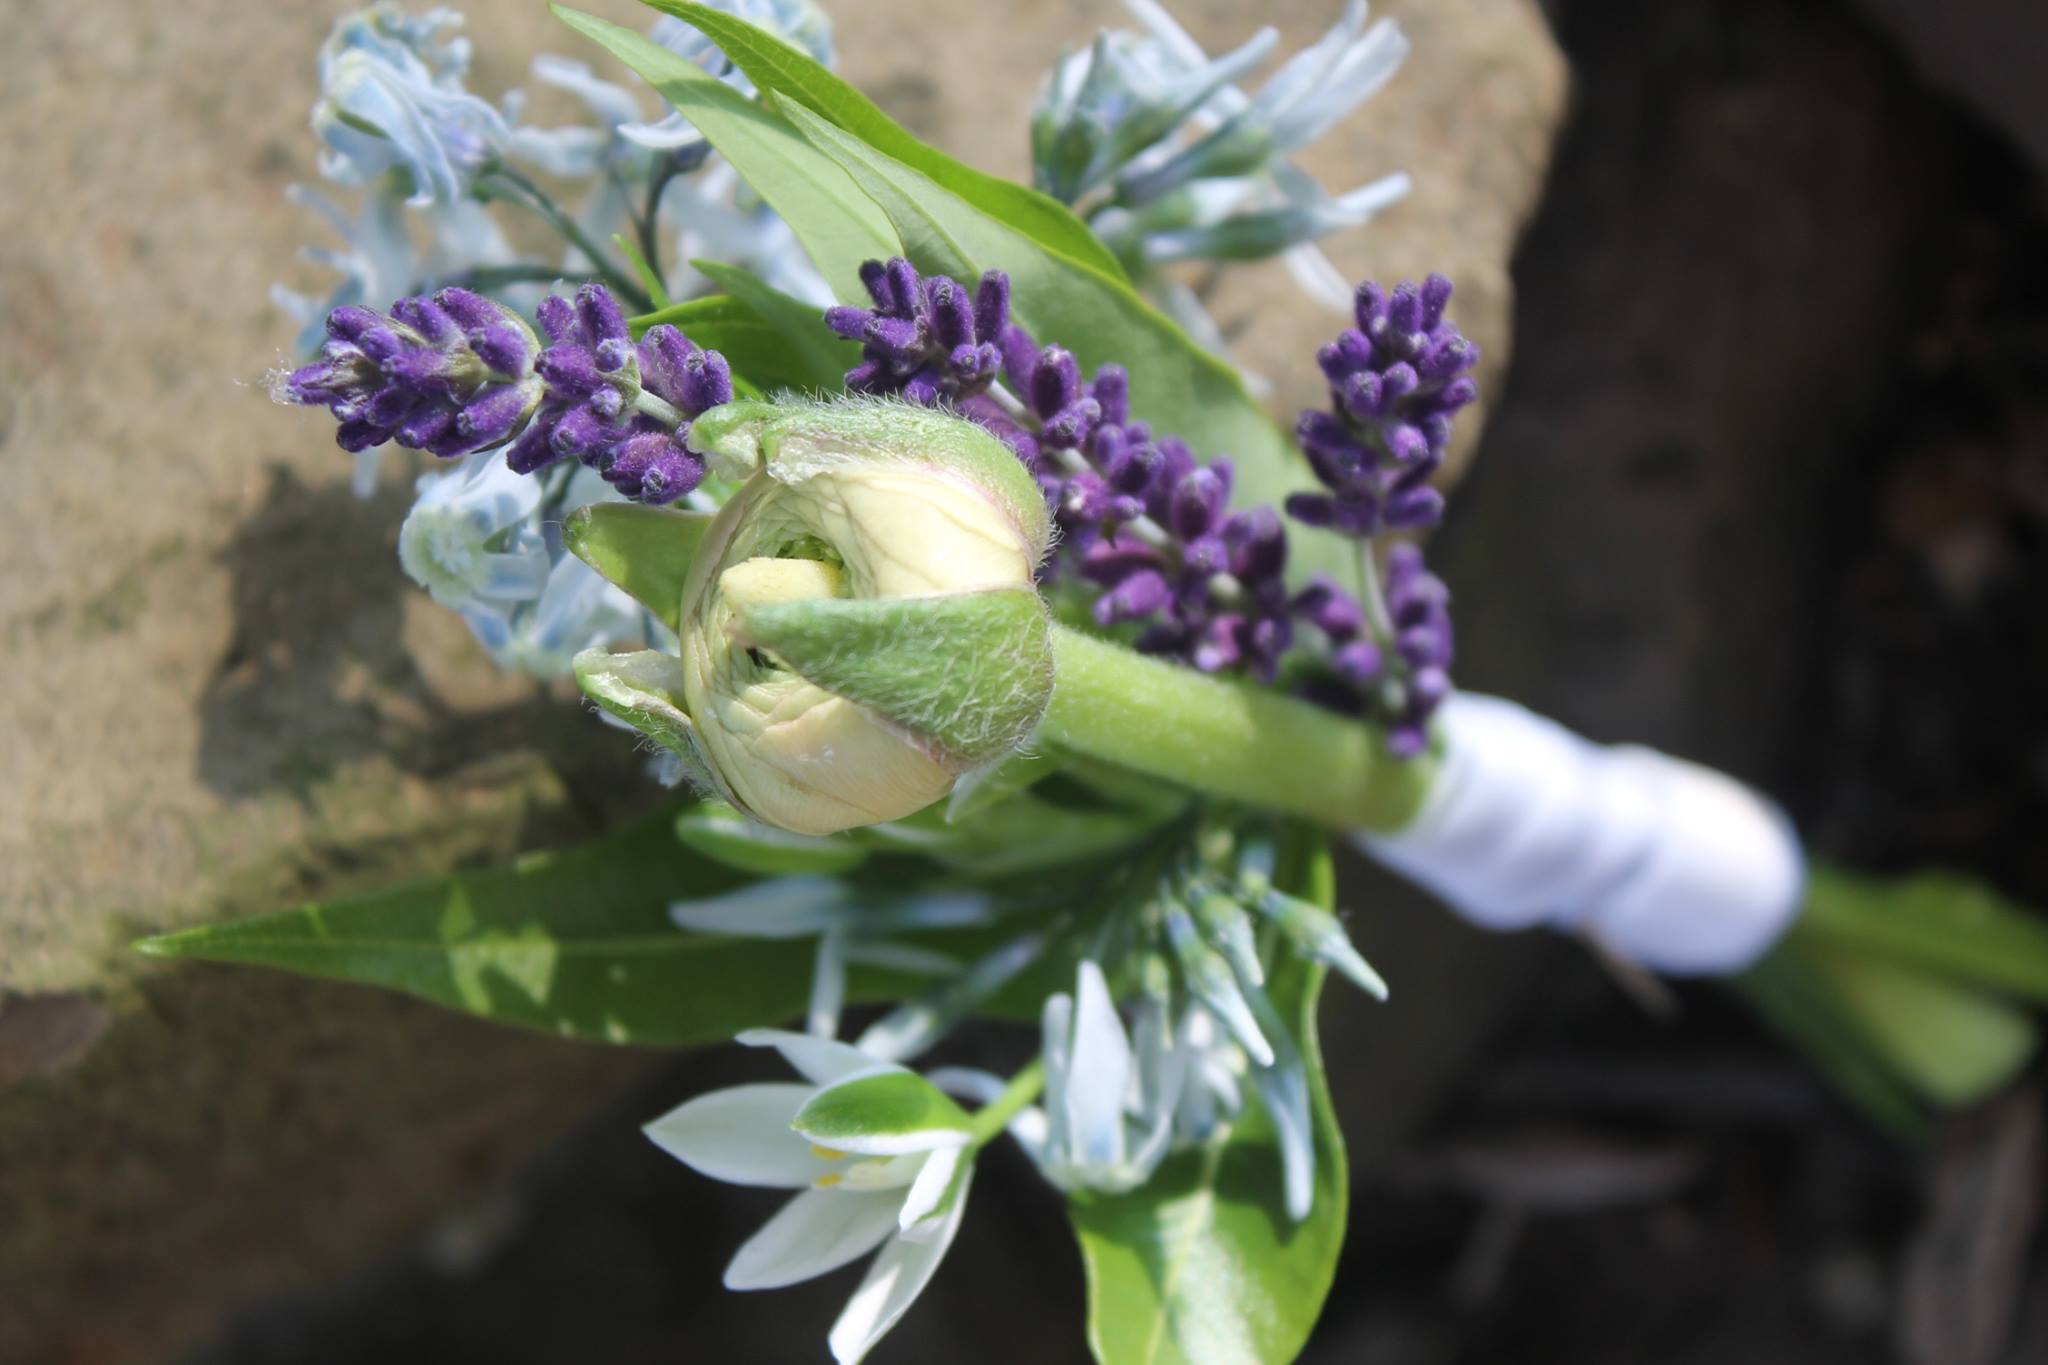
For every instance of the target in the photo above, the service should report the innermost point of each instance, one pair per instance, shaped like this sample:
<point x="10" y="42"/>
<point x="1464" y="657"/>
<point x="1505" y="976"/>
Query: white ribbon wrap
<point x="1669" y="864"/>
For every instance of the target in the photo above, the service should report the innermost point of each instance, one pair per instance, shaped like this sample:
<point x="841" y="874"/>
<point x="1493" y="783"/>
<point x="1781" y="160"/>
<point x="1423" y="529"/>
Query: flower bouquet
<point x="1006" y="660"/>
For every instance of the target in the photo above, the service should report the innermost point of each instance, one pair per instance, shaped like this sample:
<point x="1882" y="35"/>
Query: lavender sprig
<point x="1396" y="381"/>
<point x="1150" y="527"/>
<point x="458" y="373"/>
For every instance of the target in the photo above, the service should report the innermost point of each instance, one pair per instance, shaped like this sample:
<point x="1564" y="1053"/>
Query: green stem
<point x="538" y="199"/>
<point x="649" y="221"/>
<point x="993" y="1117"/>
<point x="1228" y="739"/>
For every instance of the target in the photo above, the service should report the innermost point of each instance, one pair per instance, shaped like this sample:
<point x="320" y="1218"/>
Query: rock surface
<point x="223" y="696"/>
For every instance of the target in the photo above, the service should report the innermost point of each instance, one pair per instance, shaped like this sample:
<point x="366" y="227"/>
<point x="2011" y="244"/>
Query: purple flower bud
<point x="471" y="311"/>
<point x="601" y="317"/>
<point x="1221" y="644"/>
<point x="349" y="322"/>
<point x="707" y="382"/>
<point x="507" y="349"/>
<point x="1412" y="509"/>
<point x="580" y="434"/>
<point x="1111" y="390"/>
<point x="570" y="371"/>
<point x="612" y="354"/>
<point x="1358" y="663"/>
<point x="558" y="321"/>
<point x="992" y="307"/>
<point x="427" y="318"/>
<point x="851" y="323"/>
<point x="948" y="312"/>
<point x="534" y="449"/>
<point x="425" y="428"/>
<point x="1055" y="382"/>
<point x="1139" y="595"/>
<point x="1197" y="505"/>
<point x="905" y="290"/>
<point x="493" y="415"/>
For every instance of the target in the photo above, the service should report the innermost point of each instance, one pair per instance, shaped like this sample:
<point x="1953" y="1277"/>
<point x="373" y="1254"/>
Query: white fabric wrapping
<point x="1669" y="864"/>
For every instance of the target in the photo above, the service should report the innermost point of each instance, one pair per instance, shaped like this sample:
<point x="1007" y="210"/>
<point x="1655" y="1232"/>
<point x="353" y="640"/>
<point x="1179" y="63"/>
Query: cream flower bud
<point x="858" y="626"/>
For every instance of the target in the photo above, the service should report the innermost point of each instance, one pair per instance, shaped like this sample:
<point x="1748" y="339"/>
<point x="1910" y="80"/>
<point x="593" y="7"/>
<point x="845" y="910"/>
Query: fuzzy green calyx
<point x="858" y="626"/>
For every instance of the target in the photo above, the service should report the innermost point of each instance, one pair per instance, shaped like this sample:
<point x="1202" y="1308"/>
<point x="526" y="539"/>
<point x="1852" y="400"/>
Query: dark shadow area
<point x="318" y="671"/>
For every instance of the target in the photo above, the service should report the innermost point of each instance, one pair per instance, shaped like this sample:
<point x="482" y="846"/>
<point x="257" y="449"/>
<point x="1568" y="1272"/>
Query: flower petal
<point x="892" y="1284"/>
<point x="816" y="1232"/>
<point x="742" y="1136"/>
<point x="1100" y="1075"/>
<point x="821" y="1061"/>
<point x="932" y="1194"/>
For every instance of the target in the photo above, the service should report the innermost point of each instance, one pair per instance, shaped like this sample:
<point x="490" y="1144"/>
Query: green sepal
<point x="644" y="550"/>
<point x="793" y="438"/>
<point x="888" y="1113"/>
<point x="722" y="834"/>
<point x="966" y="674"/>
<point x="991" y="786"/>
<point x="645" y="690"/>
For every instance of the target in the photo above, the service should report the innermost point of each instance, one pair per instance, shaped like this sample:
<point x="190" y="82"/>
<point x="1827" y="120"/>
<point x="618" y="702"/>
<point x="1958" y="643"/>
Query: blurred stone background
<point x="1765" y="485"/>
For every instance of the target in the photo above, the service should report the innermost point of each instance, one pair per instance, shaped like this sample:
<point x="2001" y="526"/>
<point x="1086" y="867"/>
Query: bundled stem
<point x="1231" y="740"/>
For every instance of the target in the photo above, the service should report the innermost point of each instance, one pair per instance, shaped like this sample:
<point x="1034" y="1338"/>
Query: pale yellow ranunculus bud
<point x="859" y="625"/>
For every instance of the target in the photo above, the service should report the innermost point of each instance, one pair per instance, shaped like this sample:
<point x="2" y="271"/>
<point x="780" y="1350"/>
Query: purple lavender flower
<point x="459" y="373"/>
<point x="1396" y="381"/>
<point x="621" y="409"/>
<point x="927" y="339"/>
<point x="1151" y="528"/>
<point x="449" y="374"/>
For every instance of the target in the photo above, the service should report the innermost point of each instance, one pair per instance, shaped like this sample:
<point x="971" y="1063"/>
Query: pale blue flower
<point x="1118" y="1101"/>
<point x="619" y="164"/>
<point x="854" y="926"/>
<point x="903" y="1192"/>
<point x="485" y="542"/>
<point x="392" y="99"/>
<point x="1191" y="168"/>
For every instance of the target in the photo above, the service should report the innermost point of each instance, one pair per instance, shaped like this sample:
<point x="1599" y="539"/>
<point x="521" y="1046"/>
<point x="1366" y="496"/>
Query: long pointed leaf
<point x="837" y="224"/>
<point x="775" y="66"/>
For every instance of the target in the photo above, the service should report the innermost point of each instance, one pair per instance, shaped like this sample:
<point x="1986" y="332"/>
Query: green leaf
<point x="1797" y="1000"/>
<point x="755" y="348"/>
<point x="1201" y="1265"/>
<point x="775" y="66"/>
<point x="644" y="550"/>
<point x="811" y="353"/>
<point x="1175" y="384"/>
<point x="576" y="943"/>
<point x="837" y="224"/>
<point x="881" y="1115"/>
<point x="968" y="673"/>
<point x="1890" y="1036"/>
<point x="1937" y="922"/>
